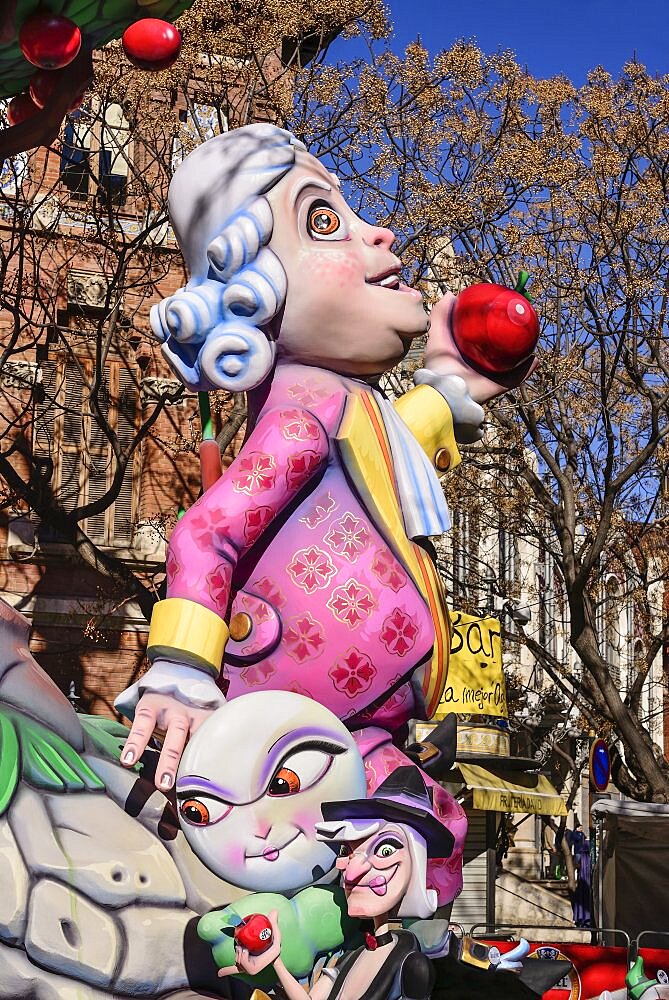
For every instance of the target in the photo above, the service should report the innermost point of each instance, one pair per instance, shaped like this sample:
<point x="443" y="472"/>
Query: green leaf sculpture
<point x="106" y="737"/>
<point x="43" y="759"/>
<point x="9" y="762"/>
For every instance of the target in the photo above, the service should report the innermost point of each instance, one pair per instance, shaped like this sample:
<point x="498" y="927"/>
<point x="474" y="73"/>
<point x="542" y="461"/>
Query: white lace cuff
<point x="187" y="684"/>
<point x="468" y="415"/>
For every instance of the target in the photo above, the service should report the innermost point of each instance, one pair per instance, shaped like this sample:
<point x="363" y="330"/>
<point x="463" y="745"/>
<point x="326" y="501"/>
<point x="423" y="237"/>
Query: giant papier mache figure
<point x="317" y="530"/>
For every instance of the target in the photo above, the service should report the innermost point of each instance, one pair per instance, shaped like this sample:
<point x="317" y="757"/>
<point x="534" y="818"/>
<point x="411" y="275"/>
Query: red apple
<point x="151" y="43"/>
<point x="254" y="933"/>
<point x="42" y="86"/>
<point x="495" y="328"/>
<point x="49" y="41"/>
<point x="21" y="108"/>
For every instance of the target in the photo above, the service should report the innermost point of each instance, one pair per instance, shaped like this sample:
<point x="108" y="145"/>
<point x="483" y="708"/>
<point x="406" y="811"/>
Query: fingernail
<point x="166" y="781"/>
<point x="129" y="757"/>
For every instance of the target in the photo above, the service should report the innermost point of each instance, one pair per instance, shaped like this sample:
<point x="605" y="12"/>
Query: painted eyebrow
<point x="306" y="182"/>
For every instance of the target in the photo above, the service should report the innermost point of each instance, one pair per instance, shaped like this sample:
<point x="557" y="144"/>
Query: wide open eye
<point x="387" y="847"/>
<point x="198" y="812"/>
<point x="299" y="771"/>
<point x="323" y="223"/>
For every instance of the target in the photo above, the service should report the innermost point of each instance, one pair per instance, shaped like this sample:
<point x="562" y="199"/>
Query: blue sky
<point x="549" y="36"/>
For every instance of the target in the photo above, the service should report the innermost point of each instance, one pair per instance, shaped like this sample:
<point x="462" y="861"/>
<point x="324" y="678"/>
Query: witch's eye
<point x="386" y="848"/>
<point x="299" y="771"/>
<point x="344" y="851"/>
<point x="323" y="223"/>
<point x="200" y="813"/>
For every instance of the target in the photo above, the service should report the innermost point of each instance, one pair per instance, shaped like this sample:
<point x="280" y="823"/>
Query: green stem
<point x="523" y="278"/>
<point x="205" y="416"/>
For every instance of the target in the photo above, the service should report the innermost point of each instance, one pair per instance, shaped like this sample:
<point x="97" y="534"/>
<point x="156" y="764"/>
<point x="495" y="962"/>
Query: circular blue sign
<point x="600" y="765"/>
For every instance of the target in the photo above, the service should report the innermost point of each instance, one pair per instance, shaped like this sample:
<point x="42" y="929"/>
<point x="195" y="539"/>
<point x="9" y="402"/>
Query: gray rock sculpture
<point x="100" y="892"/>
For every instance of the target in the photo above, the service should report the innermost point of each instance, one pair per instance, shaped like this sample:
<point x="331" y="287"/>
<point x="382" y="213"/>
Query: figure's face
<point x="346" y="308"/>
<point x="376" y="872"/>
<point x="250" y="787"/>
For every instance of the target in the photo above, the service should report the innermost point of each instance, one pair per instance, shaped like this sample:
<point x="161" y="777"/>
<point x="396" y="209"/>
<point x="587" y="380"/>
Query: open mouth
<point x="271" y="853"/>
<point x="386" y="279"/>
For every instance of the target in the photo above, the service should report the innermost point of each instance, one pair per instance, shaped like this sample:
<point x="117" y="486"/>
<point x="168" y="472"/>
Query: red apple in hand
<point x="254" y="933"/>
<point x="151" y="43"/>
<point x="495" y="329"/>
<point x="49" y="41"/>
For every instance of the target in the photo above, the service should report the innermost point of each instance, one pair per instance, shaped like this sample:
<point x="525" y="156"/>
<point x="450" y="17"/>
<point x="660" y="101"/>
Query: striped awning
<point x="512" y="792"/>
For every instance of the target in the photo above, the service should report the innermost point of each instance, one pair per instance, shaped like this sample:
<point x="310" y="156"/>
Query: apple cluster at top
<point x="51" y="42"/>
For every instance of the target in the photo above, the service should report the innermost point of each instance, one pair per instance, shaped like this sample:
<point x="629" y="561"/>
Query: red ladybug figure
<point x="254" y="933"/>
<point x="49" y="41"/>
<point x="495" y="328"/>
<point x="151" y="43"/>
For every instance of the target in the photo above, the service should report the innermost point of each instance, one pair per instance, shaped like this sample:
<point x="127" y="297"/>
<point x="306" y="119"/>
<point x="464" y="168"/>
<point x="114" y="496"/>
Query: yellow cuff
<point x="189" y="632"/>
<point x="428" y="416"/>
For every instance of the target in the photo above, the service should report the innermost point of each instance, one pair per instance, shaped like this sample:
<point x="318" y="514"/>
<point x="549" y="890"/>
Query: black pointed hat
<point x="402" y="798"/>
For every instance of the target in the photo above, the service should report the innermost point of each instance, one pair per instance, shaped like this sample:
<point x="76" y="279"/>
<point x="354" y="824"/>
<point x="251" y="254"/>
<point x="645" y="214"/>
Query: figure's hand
<point x="510" y="961"/>
<point x="176" y="720"/>
<point x="250" y="964"/>
<point x="443" y="358"/>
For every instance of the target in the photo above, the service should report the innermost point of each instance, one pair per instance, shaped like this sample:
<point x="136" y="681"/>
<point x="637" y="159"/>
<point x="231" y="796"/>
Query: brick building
<point x="92" y="420"/>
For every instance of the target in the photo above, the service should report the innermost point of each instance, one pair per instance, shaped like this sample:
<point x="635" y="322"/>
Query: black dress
<point x="406" y="974"/>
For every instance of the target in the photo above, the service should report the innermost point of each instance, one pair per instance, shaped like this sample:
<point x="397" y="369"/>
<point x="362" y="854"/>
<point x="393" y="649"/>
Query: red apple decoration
<point x="42" y="86"/>
<point x="49" y="41"/>
<point x="495" y="328"/>
<point x="21" y="108"/>
<point x="254" y="933"/>
<point x="151" y="43"/>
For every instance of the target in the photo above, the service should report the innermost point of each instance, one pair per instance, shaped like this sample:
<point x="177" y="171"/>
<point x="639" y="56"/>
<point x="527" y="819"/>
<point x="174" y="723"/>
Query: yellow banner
<point x="515" y="793"/>
<point x="475" y="683"/>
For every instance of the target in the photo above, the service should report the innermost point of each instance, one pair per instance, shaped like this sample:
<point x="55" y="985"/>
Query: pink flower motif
<point x="351" y="603"/>
<point x="353" y="673"/>
<point x="388" y="570"/>
<point x="320" y="512"/>
<point x="296" y="425"/>
<point x="298" y="689"/>
<point x="257" y="610"/>
<point x="303" y="637"/>
<point x="348" y="537"/>
<point x="258" y="673"/>
<point x="301" y="468"/>
<point x="307" y="392"/>
<point x="256" y="520"/>
<point x="311" y="569"/>
<point x="218" y="583"/>
<point x="255" y="472"/>
<point x="171" y="566"/>
<point x="269" y="590"/>
<point x="398" y="633"/>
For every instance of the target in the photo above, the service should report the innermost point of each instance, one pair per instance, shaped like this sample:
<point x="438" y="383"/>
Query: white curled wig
<point x="211" y="331"/>
<point x="419" y="901"/>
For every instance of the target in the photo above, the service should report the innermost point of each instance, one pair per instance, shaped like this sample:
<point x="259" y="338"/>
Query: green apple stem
<point x="523" y="278"/>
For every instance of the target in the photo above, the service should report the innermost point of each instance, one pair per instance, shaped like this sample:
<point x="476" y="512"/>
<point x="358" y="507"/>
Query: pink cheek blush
<point x="333" y="269"/>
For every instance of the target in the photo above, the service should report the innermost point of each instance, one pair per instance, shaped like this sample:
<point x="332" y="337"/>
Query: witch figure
<point x="384" y="843"/>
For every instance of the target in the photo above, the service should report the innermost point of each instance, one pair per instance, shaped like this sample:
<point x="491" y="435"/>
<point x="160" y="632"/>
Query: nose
<point x="263" y="830"/>
<point x="356" y="868"/>
<point x="377" y="236"/>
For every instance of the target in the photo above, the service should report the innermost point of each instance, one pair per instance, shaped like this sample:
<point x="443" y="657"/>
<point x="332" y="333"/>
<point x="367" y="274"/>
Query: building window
<point x="67" y="431"/>
<point x="96" y="153"/>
